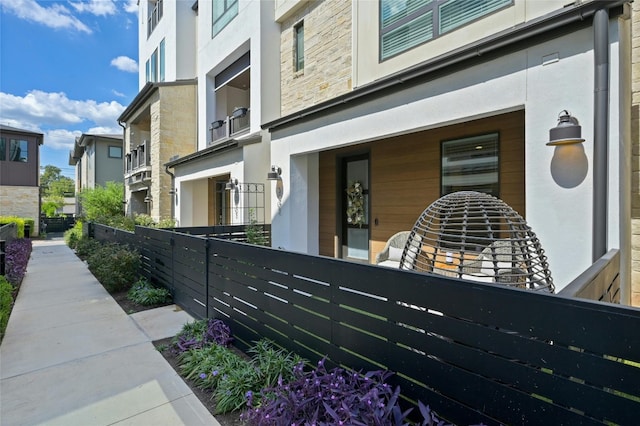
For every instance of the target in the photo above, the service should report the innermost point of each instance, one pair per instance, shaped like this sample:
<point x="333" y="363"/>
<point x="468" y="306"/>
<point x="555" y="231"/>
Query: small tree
<point x="103" y="202"/>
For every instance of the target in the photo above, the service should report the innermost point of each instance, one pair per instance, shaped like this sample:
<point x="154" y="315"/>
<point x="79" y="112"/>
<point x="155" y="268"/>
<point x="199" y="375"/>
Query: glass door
<point x="355" y="208"/>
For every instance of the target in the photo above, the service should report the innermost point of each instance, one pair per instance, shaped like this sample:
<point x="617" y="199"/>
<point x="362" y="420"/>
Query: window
<point x="3" y="148"/>
<point x="223" y="12"/>
<point x="405" y="24"/>
<point x="471" y="164"/>
<point x="298" y="46"/>
<point x="154" y="66"/>
<point x="154" y="14"/>
<point x="19" y="151"/>
<point x="115" y="152"/>
<point x="161" y="72"/>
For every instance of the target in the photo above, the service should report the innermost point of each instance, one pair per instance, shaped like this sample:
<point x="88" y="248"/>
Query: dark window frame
<point x="432" y="7"/>
<point x="468" y="139"/>
<point x="298" y="47"/>
<point x="109" y="151"/>
<point x="229" y="5"/>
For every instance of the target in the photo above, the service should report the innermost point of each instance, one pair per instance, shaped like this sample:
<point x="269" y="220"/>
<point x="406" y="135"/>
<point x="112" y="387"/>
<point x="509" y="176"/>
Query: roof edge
<point x="568" y="15"/>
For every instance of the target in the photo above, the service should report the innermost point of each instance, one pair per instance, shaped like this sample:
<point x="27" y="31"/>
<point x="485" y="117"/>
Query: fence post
<point x="3" y="244"/>
<point x="206" y="276"/>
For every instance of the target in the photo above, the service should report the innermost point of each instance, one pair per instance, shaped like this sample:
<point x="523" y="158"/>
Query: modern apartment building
<point x="97" y="159"/>
<point x="238" y="74"/>
<point x="20" y="174"/>
<point x="160" y="123"/>
<point x="417" y="99"/>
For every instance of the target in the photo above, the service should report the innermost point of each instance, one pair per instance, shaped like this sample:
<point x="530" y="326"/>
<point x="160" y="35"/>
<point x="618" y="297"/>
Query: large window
<point x="405" y="24"/>
<point x="298" y="45"/>
<point x="223" y="12"/>
<point x="19" y="151"/>
<point x="471" y="164"/>
<point x="155" y="69"/>
<point x="3" y="148"/>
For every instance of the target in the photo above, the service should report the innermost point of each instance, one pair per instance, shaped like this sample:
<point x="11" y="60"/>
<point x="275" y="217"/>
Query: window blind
<point x="455" y="13"/>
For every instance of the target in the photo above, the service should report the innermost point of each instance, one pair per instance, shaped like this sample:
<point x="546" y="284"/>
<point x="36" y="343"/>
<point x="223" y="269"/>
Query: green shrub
<point x="14" y="219"/>
<point x="115" y="266"/>
<point x="73" y="235"/>
<point x="143" y="293"/>
<point x="6" y="301"/>
<point x="144" y="220"/>
<point x="86" y="246"/>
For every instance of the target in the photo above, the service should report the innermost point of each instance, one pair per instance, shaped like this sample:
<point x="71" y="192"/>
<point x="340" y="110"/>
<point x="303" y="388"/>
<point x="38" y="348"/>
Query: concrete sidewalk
<point x="72" y="356"/>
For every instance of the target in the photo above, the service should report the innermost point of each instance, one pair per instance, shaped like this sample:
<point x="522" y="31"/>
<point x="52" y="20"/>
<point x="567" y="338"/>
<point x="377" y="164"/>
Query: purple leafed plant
<point x="200" y="334"/>
<point x="218" y="332"/>
<point x="16" y="260"/>
<point x="336" y="397"/>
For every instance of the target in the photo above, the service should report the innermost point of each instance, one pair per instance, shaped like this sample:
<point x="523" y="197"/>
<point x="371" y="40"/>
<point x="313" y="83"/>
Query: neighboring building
<point x="20" y="174"/>
<point x="223" y="181"/>
<point x="97" y="159"/>
<point x="160" y="123"/>
<point x="419" y="99"/>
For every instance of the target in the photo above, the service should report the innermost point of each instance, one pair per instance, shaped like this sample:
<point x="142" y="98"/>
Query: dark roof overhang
<point x="578" y="14"/>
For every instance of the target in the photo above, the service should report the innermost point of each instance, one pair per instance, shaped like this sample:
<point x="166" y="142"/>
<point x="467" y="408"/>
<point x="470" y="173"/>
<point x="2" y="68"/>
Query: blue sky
<point x="66" y="68"/>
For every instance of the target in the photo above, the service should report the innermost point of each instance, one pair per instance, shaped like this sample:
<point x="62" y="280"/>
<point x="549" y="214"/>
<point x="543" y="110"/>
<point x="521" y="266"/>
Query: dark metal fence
<point x="474" y="352"/>
<point x="57" y="224"/>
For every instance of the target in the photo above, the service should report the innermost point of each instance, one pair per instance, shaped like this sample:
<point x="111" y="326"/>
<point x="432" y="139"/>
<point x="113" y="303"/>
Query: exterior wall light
<point x="568" y="130"/>
<point x="275" y="173"/>
<point x="231" y="185"/>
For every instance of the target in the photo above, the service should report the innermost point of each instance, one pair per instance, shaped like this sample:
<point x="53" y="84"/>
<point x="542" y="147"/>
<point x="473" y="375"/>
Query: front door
<point x="355" y="208"/>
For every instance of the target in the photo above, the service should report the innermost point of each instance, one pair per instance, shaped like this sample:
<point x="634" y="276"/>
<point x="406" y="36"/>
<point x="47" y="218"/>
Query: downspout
<point x="600" y="131"/>
<point x="172" y="192"/>
<point x="124" y="138"/>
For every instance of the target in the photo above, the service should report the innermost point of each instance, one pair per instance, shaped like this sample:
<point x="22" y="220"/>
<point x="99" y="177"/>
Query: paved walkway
<point x="72" y="356"/>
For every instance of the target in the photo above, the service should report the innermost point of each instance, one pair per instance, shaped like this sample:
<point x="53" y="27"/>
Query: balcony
<point x="236" y="124"/>
<point x="137" y="166"/>
<point x="155" y="15"/>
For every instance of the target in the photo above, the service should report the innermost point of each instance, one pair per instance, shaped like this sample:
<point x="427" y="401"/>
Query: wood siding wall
<point x="405" y="177"/>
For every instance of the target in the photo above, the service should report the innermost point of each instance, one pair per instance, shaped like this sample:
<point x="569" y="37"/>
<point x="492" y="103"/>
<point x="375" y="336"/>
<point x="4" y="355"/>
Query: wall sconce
<point x="275" y="173"/>
<point x="568" y="130"/>
<point x="231" y="185"/>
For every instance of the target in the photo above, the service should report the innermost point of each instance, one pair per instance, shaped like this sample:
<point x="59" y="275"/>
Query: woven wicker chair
<point x="392" y="251"/>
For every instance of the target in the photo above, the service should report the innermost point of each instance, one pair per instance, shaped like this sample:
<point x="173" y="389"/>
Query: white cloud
<point x="55" y="16"/>
<point x="118" y="94"/>
<point x="96" y="7"/>
<point x="43" y="110"/>
<point x="60" y="138"/>
<point x="131" y="6"/>
<point x="124" y="63"/>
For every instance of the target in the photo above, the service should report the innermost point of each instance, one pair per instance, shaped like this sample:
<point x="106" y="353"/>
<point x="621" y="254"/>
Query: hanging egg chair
<point x="477" y="237"/>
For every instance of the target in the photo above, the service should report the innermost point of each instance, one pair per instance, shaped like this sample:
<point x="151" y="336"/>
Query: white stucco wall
<point x="559" y="202"/>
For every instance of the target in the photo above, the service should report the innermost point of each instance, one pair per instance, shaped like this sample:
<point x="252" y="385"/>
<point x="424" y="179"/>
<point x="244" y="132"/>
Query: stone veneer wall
<point x="21" y="201"/>
<point x="635" y="141"/>
<point x="327" y="55"/>
<point x="173" y="132"/>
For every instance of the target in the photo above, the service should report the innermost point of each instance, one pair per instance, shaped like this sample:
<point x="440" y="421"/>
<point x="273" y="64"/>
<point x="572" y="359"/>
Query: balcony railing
<point x="154" y="17"/>
<point x="137" y="166"/>
<point x="235" y="124"/>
